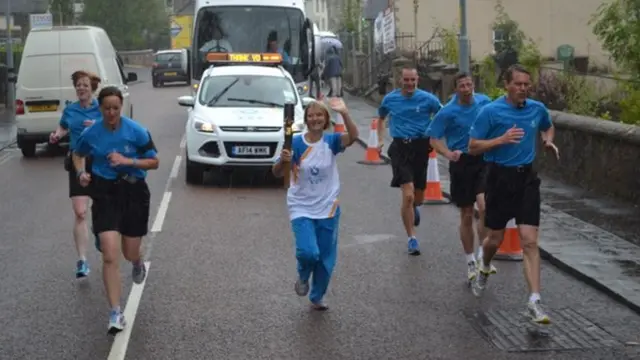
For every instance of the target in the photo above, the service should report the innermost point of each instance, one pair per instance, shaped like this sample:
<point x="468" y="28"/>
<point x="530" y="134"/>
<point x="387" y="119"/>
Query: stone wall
<point x="137" y="58"/>
<point x="595" y="154"/>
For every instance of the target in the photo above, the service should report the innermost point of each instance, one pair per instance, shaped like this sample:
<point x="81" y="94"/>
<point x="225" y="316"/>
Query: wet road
<point x="222" y="270"/>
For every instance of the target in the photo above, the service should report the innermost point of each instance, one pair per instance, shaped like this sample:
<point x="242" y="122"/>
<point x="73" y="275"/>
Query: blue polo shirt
<point x="409" y="116"/>
<point x="74" y="116"/>
<point x="499" y="116"/>
<point x="454" y="121"/>
<point x="131" y="140"/>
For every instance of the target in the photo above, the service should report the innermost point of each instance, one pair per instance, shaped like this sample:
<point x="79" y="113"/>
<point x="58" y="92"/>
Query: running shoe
<point x="139" y="272"/>
<point x="301" y="287"/>
<point x="82" y="269"/>
<point x="536" y="313"/>
<point x="116" y="322"/>
<point x="413" y="247"/>
<point x="472" y="271"/>
<point x="480" y="282"/>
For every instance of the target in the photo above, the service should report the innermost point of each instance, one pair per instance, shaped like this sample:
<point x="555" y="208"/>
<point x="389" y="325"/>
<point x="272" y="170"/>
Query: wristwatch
<point x="79" y="173"/>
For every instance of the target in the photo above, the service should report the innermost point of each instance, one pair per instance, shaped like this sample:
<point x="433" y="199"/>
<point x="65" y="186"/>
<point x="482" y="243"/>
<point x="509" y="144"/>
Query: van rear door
<point x="38" y="87"/>
<point x="70" y="63"/>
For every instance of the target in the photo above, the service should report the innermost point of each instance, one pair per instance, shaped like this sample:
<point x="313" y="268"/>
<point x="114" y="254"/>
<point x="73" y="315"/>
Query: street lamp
<point x="463" y="39"/>
<point x="415" y="25"/>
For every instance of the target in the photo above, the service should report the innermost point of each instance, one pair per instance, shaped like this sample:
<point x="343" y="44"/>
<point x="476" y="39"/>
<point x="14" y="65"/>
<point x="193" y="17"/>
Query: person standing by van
<point x="75" y="118"/>
<point x="332" y="72"/>
<point x="122" y="152"/>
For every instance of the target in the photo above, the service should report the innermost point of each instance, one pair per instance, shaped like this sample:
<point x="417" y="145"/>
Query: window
<point x="498" y="39"/>
<point x="248" y="91"/>
<point x="166" y="58"/>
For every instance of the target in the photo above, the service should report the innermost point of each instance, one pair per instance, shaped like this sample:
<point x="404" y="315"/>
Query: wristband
<point x="134" y="162"/>
<point x="79" y="173"/>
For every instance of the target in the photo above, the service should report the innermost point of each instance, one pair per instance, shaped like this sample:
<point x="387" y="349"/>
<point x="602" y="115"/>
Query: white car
<point x="236" y="118"/>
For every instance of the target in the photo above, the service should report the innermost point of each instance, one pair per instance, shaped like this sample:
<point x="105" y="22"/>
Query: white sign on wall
<point x="388" y="31"/>
<point x="38" y="21"/>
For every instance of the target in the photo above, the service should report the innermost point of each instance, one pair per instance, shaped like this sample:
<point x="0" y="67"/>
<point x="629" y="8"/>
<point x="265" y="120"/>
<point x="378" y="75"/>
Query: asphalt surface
<point x="220" y="284"/>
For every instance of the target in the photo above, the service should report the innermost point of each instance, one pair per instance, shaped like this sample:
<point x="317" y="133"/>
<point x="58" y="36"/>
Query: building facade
<point x="318" y="12"/>
<point x="550" y="23"/>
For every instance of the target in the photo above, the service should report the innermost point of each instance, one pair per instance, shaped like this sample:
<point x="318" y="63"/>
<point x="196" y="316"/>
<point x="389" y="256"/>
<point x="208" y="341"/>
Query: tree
<point x="131" y="24"/>
<point x="63" y="12"/>
<point x="351" y="15"/>
<point x="617" y="26"/>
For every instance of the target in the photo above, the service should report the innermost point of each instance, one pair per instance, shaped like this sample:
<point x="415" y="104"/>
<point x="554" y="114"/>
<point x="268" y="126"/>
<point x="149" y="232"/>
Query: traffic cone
<point x="510" y="248"/>
<point x="339" y="125"/>
<point x="433" y="191"/>
<point x="372" y="155"/>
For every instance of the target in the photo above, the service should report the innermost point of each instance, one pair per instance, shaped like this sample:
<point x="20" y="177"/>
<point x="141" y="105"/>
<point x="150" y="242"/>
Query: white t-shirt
<point x="315" y="184"/>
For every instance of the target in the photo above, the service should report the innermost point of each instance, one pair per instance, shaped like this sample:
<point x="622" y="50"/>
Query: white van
<point x="43" y="86"/>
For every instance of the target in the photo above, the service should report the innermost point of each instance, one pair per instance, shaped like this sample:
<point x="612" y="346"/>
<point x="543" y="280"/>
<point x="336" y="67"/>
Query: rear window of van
<point x="54" y="71"/>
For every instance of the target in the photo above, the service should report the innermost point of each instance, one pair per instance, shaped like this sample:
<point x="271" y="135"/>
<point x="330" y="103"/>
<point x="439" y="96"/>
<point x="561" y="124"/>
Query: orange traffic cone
<point x="339" y="125"/>
<point x="510" y="248"/>
<point x="372" y="155"/>
<point x="433" y="192"/>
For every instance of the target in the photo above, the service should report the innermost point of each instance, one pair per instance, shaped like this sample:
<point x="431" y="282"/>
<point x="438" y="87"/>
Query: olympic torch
<point x="289" y="111"/>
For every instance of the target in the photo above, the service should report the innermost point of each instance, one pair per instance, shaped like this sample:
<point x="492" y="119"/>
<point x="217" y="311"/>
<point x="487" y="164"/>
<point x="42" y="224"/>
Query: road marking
<point x="366" y="239"/>
<point x="162" y="212"/>
<point x="121" y="341"/>
<point x="176" y="167"/>
<point x="183" y="142"/>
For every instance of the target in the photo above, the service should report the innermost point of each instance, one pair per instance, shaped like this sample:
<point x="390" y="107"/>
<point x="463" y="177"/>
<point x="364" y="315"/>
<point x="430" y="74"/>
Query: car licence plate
<point x="42" y="108"/>
<point x="171" y="74"/>
<point x="251" y="150"/>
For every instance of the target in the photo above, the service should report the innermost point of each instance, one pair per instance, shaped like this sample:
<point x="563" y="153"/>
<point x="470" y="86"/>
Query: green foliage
<point x="131" y="24"/>
<point x="531" y="58"/>
<point x="617" y="26"/>
<point x="514" y="38"/>
<point x="630" y="105"/>
<point x="449" y="38"/>
<point x="62" y="12"/>
<point x="351" y="15"/>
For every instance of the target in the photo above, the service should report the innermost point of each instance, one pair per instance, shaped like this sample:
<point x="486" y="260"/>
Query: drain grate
<point x="510" y="331"/>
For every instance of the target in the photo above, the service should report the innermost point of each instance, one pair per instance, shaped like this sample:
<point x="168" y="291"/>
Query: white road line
<point x="176" y="167"/>
<point x="5" y="158"/>
<point x="183" y="142"/>
<point x="162" y="212"/>
<point x="121" y="341"/>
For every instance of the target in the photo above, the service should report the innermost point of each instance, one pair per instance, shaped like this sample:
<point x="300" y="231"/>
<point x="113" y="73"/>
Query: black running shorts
<point x="468" y="178"/>
<point x="409" y="161"/>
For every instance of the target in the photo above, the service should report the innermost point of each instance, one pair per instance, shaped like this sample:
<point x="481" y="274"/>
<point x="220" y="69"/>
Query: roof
<point x="169" y="51"/>
<point x="262" y="70"/>
<point x="63" y="28"/>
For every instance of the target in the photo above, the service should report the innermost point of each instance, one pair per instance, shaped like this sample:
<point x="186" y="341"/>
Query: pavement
<point x="596" y="239"/>
<point x="221" y="273"/>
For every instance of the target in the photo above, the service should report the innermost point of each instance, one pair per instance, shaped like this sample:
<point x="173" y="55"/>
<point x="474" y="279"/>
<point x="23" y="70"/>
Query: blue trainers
<point x="116" y="322"/>
<point x="416" y="216"/>
<point x="414" y="248"/>
<point x="82" y="269"/>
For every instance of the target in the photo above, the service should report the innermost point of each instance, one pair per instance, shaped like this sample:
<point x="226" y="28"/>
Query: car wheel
<point x="28" y="149"/>
<point x="194" y="173"/>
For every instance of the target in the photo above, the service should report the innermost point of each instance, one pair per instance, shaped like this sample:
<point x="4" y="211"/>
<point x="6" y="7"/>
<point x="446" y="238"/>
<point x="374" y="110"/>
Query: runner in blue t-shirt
<point x="75" y="118"/>
<point x="506" y="132"/>
<point x="467" y="172"/>
<point x="122" y="152"/>
<point x="409" y="110"/>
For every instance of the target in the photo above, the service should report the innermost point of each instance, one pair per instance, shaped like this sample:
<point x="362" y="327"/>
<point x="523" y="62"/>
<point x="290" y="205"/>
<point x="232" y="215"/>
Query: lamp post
<point x="463" y="39"/>
<point x="10" y="71"/>
<point x="415" y="25"/>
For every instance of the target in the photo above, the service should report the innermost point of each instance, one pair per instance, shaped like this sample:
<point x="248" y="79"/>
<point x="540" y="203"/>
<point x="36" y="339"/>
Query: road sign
<point x="175" y="29"/>
<point x="38" y="21"/>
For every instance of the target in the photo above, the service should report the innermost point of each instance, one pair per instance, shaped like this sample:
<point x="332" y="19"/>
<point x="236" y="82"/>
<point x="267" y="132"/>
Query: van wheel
<point x="195" y="173"/>
<point x="28" y="149"/>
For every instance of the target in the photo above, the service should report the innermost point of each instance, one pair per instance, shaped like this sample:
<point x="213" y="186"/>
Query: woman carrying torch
<point x="312" y="197"/>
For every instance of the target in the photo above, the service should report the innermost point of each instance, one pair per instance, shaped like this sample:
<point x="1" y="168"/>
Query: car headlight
<point x="203" y="126"/>
<point x="302" y="89"/>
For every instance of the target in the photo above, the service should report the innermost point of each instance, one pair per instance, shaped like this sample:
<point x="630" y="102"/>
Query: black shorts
<point x="119" y="205"/>
<point x="512" y="192"/>
<point x="409" y="161"/>
<point x="75" y="189"/>
<point x="468" y="178"/>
